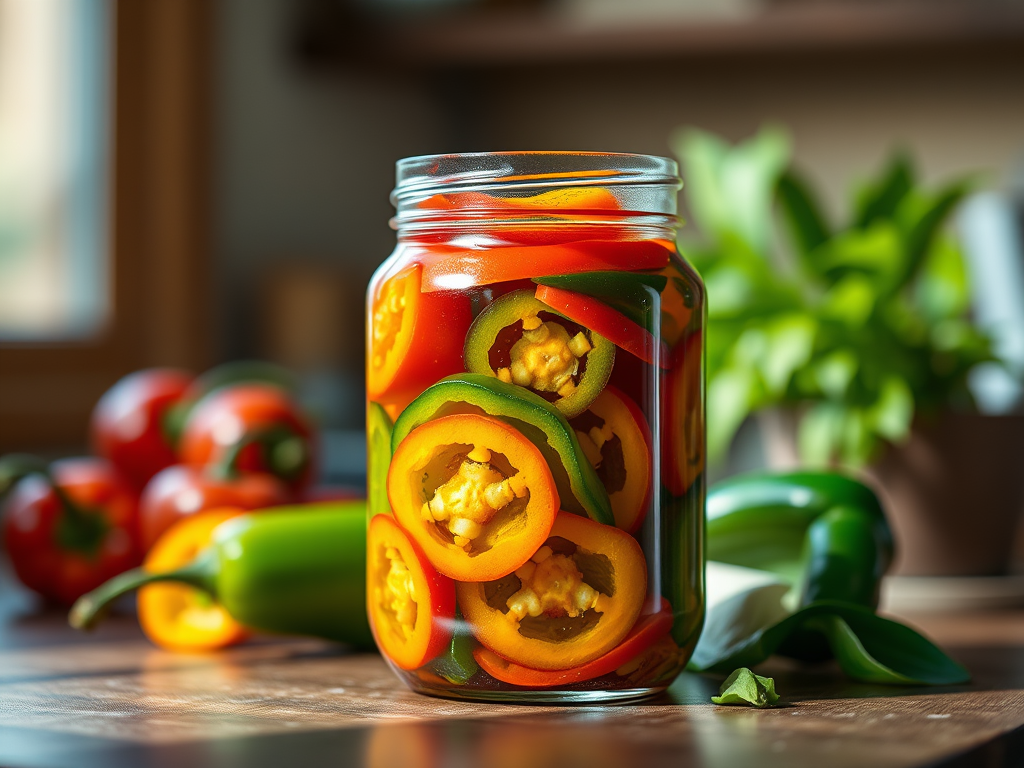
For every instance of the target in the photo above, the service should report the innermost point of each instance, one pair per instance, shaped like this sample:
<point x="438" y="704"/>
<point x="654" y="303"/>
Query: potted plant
<point x="853" y="344"/>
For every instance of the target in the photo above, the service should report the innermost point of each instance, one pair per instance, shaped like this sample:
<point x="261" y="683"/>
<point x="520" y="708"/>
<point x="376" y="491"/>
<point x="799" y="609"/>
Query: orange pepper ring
<point x="645" y="633"/>
<point x="405" y="492"/>
<point x="420" y="353"/>
<point x="500" y="634"/>
<point x="435" y="603"/>
<point x="629" y="504"/>
<point x="165" y="608"/>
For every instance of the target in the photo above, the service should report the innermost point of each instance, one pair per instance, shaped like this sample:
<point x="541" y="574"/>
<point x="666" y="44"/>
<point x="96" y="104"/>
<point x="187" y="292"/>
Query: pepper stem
<point x="284" y="452"/>
<point x="200" y="573"/>
<point x="78" y="528"/>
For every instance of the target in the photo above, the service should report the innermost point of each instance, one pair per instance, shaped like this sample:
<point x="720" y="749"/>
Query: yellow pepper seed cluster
<point x="472" y="496"/>
<point x="593" y="441"/>
<point x="400" y="591"/>
<point x="552" y="585"/>
<point x="387" y="319"/>
<point x="545" y="358"/>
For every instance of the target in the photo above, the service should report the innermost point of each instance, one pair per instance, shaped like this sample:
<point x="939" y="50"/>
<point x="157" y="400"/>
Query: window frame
<point x="159" y="232"/>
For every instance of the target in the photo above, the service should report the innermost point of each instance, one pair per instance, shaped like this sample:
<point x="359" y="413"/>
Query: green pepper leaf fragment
<point x="744" y="687"/>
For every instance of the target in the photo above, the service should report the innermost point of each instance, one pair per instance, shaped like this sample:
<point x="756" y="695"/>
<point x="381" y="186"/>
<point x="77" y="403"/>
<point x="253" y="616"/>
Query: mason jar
<point x="535" y="422"/>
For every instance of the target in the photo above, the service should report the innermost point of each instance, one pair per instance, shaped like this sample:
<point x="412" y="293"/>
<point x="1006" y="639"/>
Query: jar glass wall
<point x="536" y="434"/>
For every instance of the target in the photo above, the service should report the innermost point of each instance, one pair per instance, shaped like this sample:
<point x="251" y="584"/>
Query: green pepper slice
<point x="378" y="431"/>
<point x="519" y="339"/>
<point x="824" y="532"/>
<point x="579" y="487"/>
<point x="629" y="293"/>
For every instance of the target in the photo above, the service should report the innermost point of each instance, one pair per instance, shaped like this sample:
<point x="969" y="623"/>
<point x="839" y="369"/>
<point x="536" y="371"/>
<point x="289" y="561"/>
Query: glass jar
<point x="535" y="421"/>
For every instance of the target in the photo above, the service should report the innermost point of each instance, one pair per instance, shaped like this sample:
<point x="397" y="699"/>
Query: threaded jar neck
<point x="467" y="192"/>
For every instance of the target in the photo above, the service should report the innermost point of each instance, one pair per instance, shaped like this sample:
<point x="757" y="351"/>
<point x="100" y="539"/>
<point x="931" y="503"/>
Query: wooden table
<point x="110" y="699"/>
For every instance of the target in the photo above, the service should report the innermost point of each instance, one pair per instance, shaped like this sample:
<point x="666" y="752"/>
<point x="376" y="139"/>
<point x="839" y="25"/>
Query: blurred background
<point x="184" y="182"/>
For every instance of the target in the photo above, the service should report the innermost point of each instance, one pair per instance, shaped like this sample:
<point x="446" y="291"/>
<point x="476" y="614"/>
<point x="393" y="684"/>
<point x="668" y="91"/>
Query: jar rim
<point x="481" y="171"/>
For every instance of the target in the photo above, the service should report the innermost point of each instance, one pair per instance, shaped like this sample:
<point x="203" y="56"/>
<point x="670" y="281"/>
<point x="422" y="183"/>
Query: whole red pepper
<point x="129" y="423"/>
<point x="69" y="527"/>
<point x="181" y="490"/>
<point x="279" y="439"/>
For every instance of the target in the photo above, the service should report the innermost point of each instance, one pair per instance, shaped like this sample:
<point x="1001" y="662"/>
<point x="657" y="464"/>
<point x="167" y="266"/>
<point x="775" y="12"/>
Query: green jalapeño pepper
<point x="519" y="339"/>
<point x="825" y="532"/>
<point x="378" y="431"/>
<point x="579" y="488"/>
<point x="296" y="571"/>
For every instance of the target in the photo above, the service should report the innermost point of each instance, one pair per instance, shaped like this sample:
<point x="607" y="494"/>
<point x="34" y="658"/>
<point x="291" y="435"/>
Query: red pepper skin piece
<point x="127" y="426"/>
<point x="599" y="317"/>
<point x="683" y="441"/>
<point x="41" y="546"/>
<point x="180" y="491"/>
<point x="645" y="633"/>
<point x="448" y="268"/>
<point x="227" y="415"/>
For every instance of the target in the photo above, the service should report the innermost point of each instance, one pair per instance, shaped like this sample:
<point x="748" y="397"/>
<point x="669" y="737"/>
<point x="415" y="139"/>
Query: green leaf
<point x="880" y="199"/>
<point x="834" y="372"/>
<point x="867" y="647"/>
<point x="744" y="687"/>
<point x="806" y="224"/>
<point x="893" y="412"/>
<point x="789" y="346"/>
<point x="729" y="189"/>
<point x="921" y="217"/>
<point x="730" y="398"/>
<point x="943" y="287"/>
<point x="877" y="253"/>
<point x="850" y="301"/>
<point x="820" y="434"/>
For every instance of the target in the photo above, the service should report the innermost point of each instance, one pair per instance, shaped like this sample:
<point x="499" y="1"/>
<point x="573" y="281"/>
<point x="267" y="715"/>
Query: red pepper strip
<point x="647" y="631"/>
<point x="600" y="318"/>
<point x="447" y="268"/>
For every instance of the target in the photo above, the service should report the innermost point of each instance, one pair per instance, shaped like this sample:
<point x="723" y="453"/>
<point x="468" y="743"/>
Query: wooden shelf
<point x="550" y="35"/>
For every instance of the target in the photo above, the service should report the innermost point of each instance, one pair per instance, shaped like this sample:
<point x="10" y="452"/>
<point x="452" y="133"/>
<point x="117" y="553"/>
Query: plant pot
<point x="954" y="492"/>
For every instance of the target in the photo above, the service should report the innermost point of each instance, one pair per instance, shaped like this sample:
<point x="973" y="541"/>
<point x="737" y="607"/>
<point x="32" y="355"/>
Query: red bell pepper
<point x="69" y="527"/>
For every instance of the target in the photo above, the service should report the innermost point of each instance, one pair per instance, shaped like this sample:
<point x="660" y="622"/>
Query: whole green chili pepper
<point x="292" y="570"/>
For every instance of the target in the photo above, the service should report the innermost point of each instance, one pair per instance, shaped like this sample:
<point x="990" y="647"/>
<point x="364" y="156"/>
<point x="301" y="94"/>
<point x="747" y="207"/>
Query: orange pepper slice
<point x="414" y="339"/>
<point x="588" y="597"/>
<point x="615" y="437"/>
<point x="410" y="605"/>
<point x="180" y="617"/>
<point x="474" y="493"/>
<point x="647" y="631"/>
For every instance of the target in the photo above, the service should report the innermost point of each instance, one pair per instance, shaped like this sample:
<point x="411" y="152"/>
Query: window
<point x="54" y="74"/>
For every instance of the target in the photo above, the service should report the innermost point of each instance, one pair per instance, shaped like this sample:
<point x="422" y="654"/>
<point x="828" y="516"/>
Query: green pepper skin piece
<point x="299" y="570"/>
<point x="579" y="488"/>
<point x="630" y="293"/>
<point x="510" y="309"/>
<point x="378" y="431"/>
<point x="824" y="531"/>
<point x="682" y="562"/>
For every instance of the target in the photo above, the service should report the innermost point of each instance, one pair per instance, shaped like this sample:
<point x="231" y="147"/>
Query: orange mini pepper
<point x="414" y="338"/>
<point x="614" y="435"/>
<point x="475" y="493"/>
<point x="573" y="602"/>
<point x="177" y="616"/>
<point x="411" y="606"/>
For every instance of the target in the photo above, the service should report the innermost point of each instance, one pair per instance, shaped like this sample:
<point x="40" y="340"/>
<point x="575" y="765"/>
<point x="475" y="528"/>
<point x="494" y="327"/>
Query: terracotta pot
<point x="954" y="493"/>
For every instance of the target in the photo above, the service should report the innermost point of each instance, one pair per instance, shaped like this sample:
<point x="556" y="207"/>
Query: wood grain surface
<point x="112" y="699"/>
